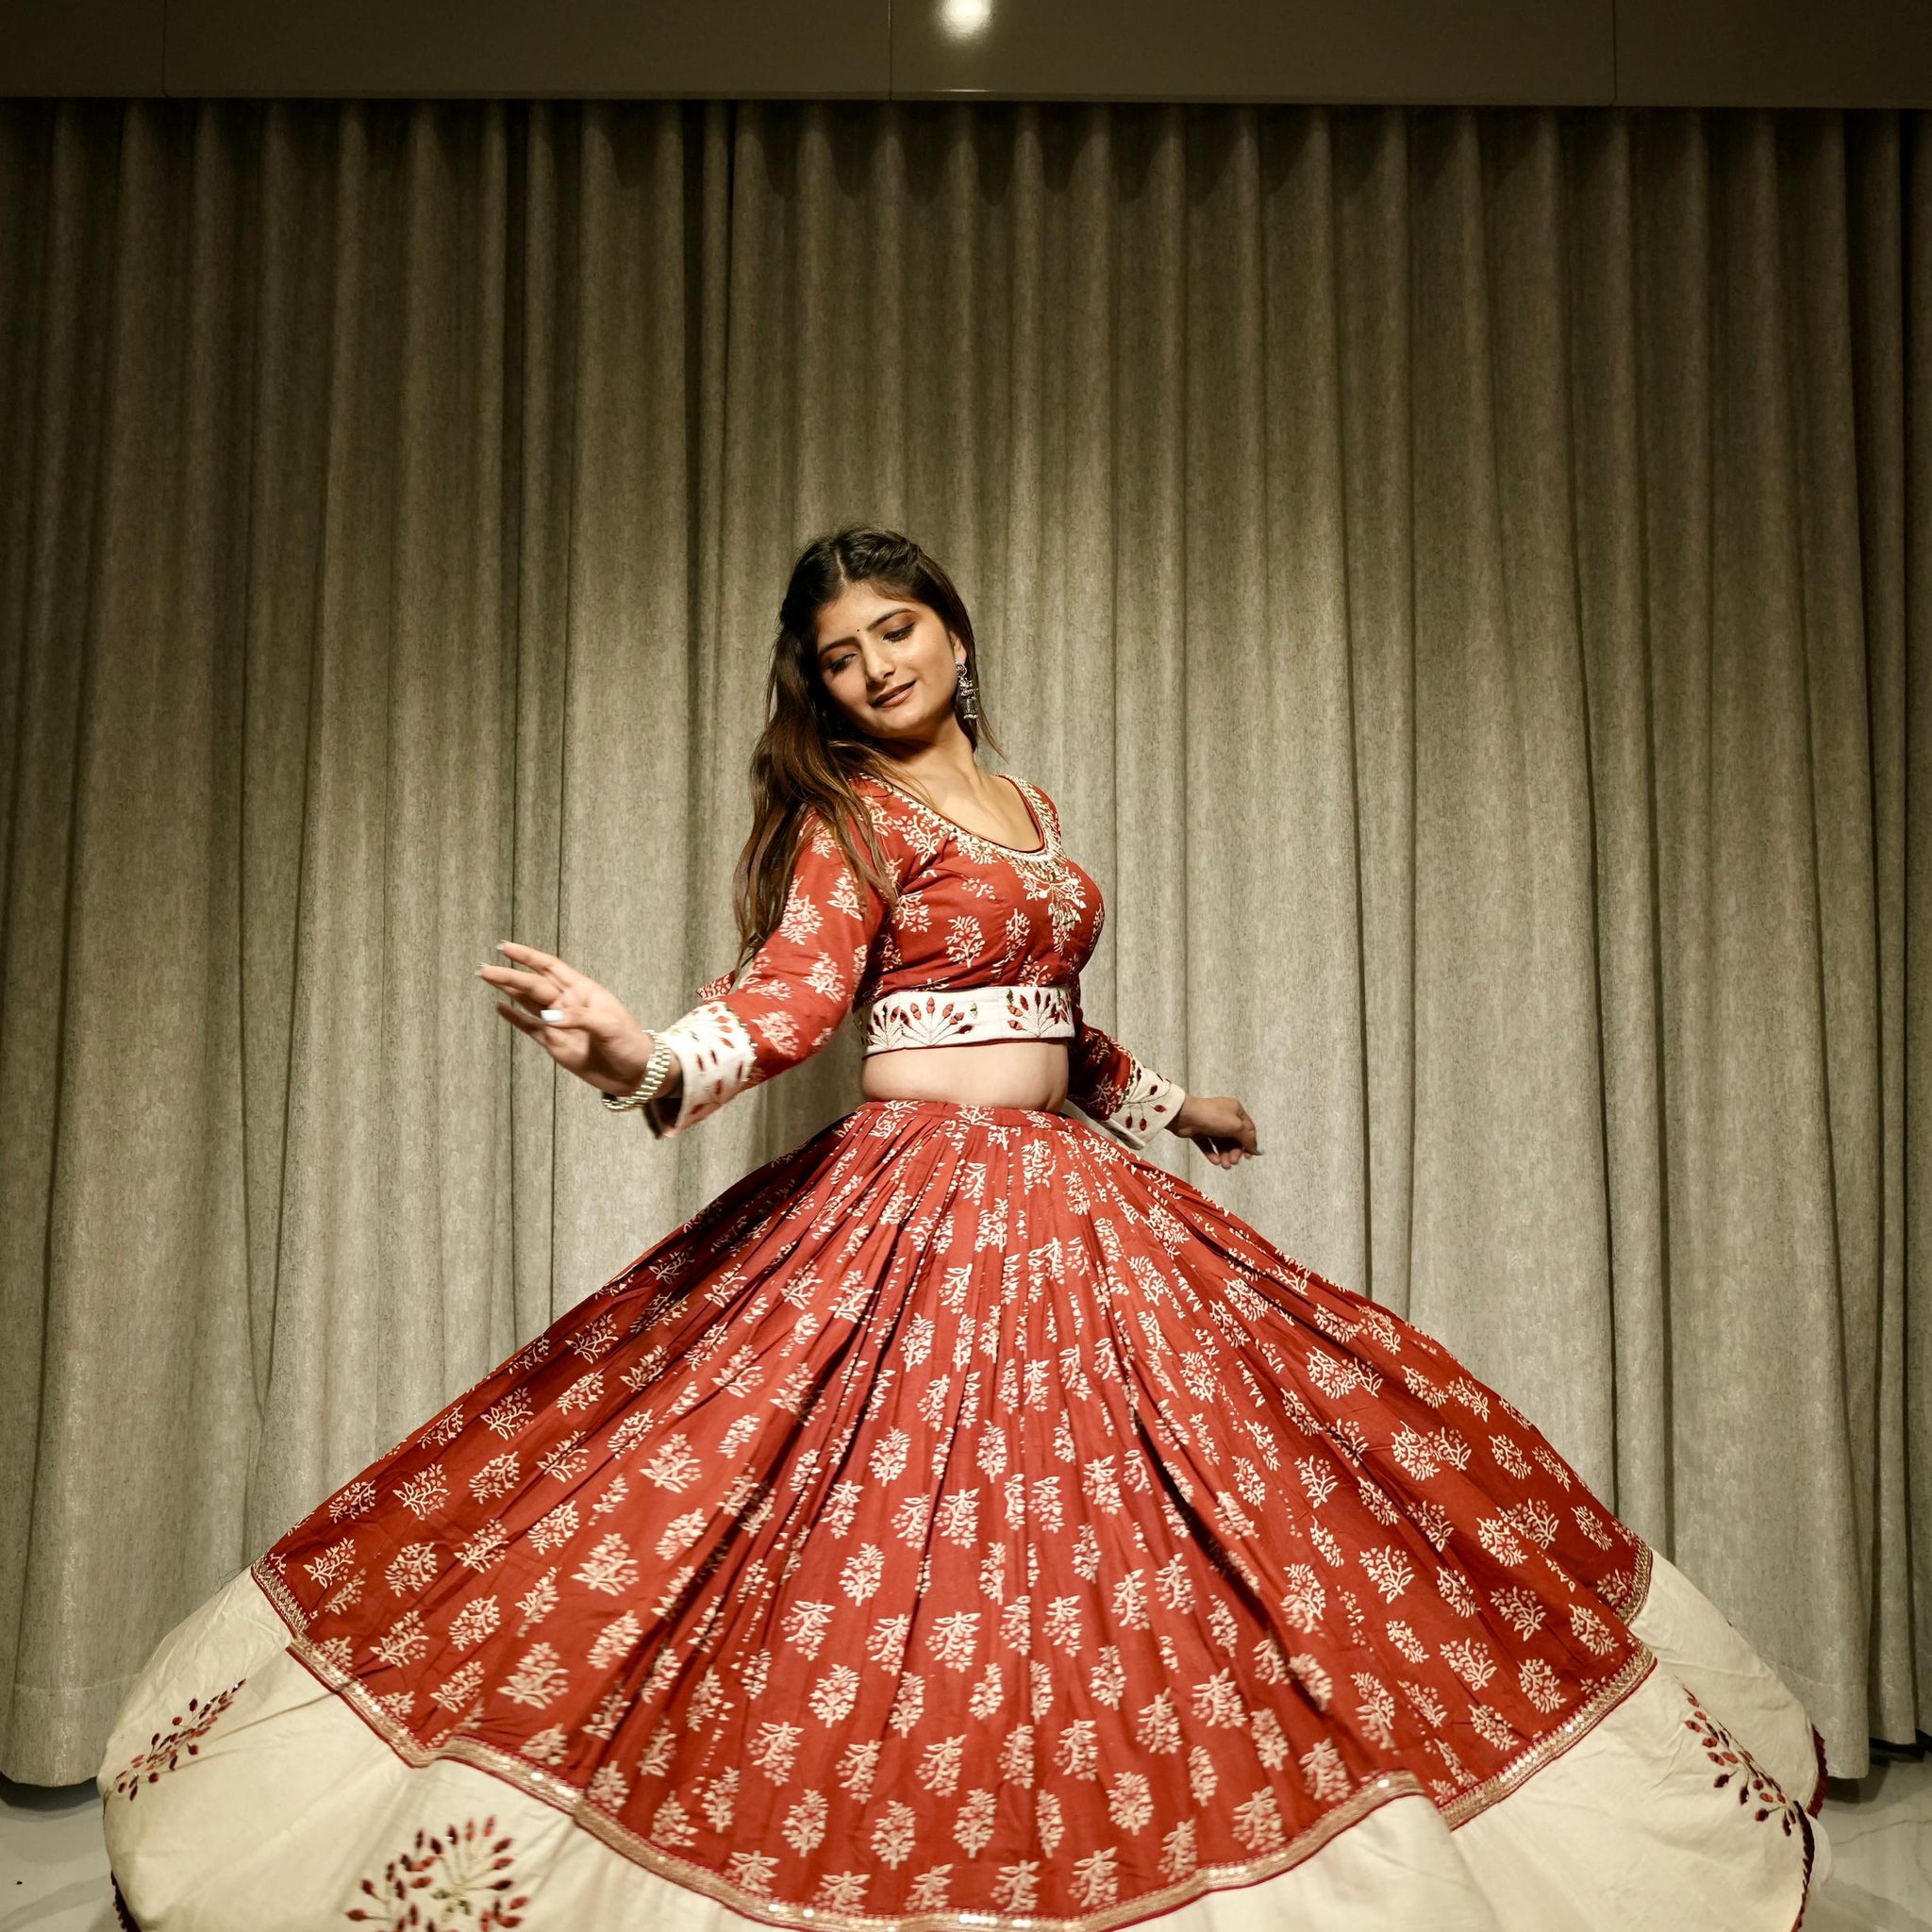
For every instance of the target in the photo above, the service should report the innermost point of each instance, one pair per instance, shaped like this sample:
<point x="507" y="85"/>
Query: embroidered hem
<point x="565" y="1797"/>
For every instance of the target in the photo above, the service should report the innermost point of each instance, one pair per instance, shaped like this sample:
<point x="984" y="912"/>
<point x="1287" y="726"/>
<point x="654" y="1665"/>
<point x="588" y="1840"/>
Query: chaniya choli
<point x="961" y="1521"/>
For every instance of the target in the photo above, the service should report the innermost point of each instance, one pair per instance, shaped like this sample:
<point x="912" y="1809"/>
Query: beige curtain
<point x="1467" y="577"/>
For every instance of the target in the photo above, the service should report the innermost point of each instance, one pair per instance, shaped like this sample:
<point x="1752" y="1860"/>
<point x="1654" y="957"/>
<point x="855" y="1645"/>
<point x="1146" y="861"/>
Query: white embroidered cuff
<point x="1149" y="1104"/>
<point x="716" y="1060"/>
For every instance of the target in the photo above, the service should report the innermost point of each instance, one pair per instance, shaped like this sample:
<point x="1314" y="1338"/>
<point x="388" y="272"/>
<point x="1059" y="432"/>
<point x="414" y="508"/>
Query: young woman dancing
<point x="960" y="1520"/>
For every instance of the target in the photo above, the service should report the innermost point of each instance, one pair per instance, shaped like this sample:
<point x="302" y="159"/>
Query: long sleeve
<point x="1129" y="1101"/>
<point x="790" y="995"/>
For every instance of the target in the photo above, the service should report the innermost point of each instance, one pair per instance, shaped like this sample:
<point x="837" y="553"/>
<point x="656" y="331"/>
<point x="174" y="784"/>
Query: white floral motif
<point x="753" y="1870"/>
<point x="1017" y="1887"/>
<point x="1592" y="1631"/>
<point x="1179" y="1856"/>
<point x="889" y="1455"/>
<point x="772" y="1749"/>
<point x="1536" y="1519"/>
<point x="804" y="1829"/>
<point x="1308" y="1671"/>
<point x="953" y="1640"/>
<point x="835" y="1693"/>
<point x="1471" y="1662"/>
<point x="958" y="1517"/>
<point x="859" y="1766"/>
<point x="538" y="1601"/>
<point x="908" y="1703"/>
<point x="404" y="1642"/>
<point x="989" y="1692"/>
<point x="938" y="1765"/>
<point x="1061" y="1623"/>
<point x="609" y="1567"/>
<point x="551" y="1531"/>
<point x="1521" y="1610"/>
<point x="539" y="1678"/>
<point x="1376" y="1711"/>
<point x="413" y="1568"/>
<point x="1323" y="1770"/>
<point x="1107" y="1680"/>
<point x="1096" y="1878"/>
<point x="1129" y="1802"/>
<point x="806" y="1625"/>
<point x="475" y="1622"/>
<point x="1406" y="1642"/>
<point x="1498" y="1536"/>
<point x="859" y="1579"/>
<point x="1157" y="1726"/>
<point x="893" y="1835"/>
<point x="671" y="1824"/>
<point x="1304" y="1600"/>
<point x="1130" y="1602"/>
<point x="617" y="1639"/>
<point x="1078" y="1753"/>
<point x="356" y="1499"/>
<point x="486" y="1549"/>
<point x="1258" y="1821"/>
<point x="1389" y="1570"/>
<point x="1218" y="1701"/>
<point x="424" y="1492"/>
<point x="1269" y="1739"/>
<point x="1541" y="1685"/>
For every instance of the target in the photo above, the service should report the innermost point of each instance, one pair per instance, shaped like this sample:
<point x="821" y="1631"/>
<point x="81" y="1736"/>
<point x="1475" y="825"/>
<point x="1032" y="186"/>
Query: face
<point x="890" y="663"/>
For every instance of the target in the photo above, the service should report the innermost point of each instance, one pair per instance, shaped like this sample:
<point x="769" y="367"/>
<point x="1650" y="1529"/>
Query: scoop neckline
<point x="1043" y="850"/>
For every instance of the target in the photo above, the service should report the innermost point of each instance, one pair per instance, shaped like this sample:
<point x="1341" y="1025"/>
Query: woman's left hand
<point x="1219" y="1126"/>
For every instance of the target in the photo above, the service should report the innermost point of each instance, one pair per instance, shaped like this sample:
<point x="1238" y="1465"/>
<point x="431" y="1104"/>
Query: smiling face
<point x="889" y="664"/>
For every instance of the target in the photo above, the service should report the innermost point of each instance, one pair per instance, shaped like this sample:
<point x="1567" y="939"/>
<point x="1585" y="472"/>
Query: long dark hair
<point x="809" y="752"/>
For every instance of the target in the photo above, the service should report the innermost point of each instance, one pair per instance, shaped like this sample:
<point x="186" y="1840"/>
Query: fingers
<point x="560" y="973"/>
<point x="537" y="993"/>
<point x="522" y="1020"/>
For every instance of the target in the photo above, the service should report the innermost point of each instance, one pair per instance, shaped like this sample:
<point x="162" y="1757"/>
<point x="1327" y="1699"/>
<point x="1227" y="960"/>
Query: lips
<point x="891" y="697"/>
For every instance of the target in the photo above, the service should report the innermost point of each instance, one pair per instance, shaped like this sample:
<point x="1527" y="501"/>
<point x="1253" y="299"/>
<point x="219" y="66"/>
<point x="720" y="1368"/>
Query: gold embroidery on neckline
<point x="977" y="846"/>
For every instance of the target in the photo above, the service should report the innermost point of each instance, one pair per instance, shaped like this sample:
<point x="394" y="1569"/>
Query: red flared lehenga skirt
<point x="961" y="1521"/>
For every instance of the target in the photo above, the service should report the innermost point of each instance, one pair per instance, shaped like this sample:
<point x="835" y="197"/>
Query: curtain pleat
<point x="1466" y="576"/>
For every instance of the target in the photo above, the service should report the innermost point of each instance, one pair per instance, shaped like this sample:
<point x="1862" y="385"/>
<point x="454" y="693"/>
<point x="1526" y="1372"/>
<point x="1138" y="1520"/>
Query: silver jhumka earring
<point x="966" y="695"/>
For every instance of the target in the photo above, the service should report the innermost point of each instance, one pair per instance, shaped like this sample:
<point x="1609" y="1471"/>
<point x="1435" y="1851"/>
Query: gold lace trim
<point x="565" y="1797"/>
<point x="977" y="846"/>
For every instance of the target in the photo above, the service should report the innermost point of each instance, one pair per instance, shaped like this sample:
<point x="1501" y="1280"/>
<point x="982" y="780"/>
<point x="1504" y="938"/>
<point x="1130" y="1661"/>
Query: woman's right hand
<point x="591" y="1035"/>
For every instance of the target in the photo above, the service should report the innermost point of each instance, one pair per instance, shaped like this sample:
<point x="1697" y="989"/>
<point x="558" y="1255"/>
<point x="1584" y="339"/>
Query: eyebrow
<point x="833" y="643"/>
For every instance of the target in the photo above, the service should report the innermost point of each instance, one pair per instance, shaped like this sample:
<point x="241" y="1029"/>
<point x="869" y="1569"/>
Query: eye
<point x="894" y="636"/>
<point x="838" y="664"/>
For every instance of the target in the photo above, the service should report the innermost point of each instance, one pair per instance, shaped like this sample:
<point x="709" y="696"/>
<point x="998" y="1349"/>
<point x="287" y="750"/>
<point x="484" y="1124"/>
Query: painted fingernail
<point x="551" y="1016"/>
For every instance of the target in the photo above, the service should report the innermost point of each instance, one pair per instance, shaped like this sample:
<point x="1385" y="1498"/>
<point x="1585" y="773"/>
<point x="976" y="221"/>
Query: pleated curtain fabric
<point x="1466" y="576"/>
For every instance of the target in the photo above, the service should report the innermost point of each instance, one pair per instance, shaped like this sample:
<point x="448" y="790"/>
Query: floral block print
<point x="981" y="943"/>
<point x="962" y="1521"/>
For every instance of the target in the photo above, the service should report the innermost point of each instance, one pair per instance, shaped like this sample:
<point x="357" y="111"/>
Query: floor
<point x="53" y="1869"/>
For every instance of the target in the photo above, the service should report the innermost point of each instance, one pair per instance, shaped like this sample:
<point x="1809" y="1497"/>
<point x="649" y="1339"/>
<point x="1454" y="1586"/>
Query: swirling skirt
<point x="961" y="1521"/>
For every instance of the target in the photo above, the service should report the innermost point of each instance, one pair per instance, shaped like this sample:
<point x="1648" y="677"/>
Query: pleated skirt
<point x="962" y="1522"/>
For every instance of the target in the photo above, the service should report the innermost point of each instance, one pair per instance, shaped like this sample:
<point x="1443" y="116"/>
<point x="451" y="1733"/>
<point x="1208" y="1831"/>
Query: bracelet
<point x="657" y="1070"/>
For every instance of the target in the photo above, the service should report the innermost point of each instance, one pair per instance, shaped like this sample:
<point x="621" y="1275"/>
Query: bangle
<point x="657" y="1070"/>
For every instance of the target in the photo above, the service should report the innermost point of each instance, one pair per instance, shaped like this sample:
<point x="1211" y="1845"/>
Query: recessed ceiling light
<point x="962" y="19"/>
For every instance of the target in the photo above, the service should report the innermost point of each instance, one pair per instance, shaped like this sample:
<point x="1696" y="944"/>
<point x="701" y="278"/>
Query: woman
<point x="959" y="1520"/>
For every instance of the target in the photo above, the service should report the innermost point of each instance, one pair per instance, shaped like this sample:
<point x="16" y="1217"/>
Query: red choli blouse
<point x="985" y="942"/>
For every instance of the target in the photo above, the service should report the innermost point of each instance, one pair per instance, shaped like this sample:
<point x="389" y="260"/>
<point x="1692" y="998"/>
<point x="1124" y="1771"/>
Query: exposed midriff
<point x="992" y="1072"/>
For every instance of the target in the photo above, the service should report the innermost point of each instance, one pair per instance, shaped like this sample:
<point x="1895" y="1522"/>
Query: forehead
<point x="859" y="607"/>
